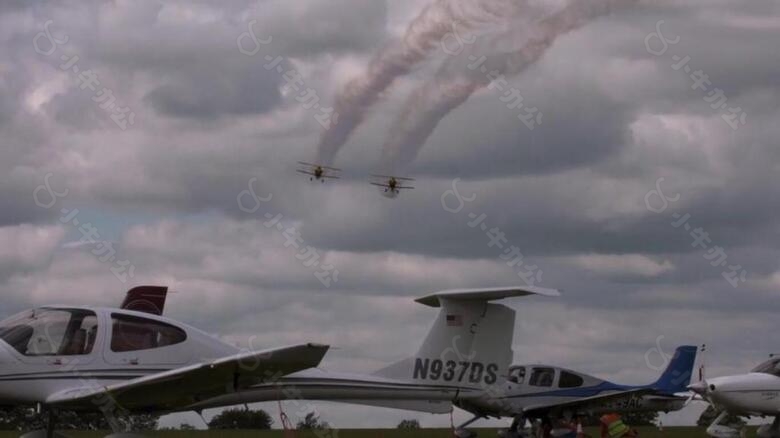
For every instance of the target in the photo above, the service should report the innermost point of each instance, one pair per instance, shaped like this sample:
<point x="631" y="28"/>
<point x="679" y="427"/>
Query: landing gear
<point x="718" y="430"/>
<point x="516" y="429"/>
<point x="117" y="428"/>
<point x="462" y="432"/>
<point x="770" y="430"/>
<point x="51" y="422"/>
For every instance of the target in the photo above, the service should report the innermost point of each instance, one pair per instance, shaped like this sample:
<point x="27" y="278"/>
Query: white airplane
<point x="115" y="360"/>
<point x="465" y="361"/>
<point x="756" y="393"/>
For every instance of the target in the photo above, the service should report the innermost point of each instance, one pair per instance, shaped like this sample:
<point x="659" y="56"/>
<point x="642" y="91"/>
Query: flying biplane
<point x="392" y="184"/>
<point x="318" y="172"/>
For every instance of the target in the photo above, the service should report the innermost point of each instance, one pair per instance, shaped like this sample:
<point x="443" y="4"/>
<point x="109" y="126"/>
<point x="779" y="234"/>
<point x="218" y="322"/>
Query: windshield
<point x="51" y="332"/>
<point x="771" y="366"/>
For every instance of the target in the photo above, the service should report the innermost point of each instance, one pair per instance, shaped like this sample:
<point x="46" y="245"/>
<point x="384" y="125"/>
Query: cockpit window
<point x="517" y="375"/>
<point x="771" y="366"/>
<point x="132" y="333"/>
<point x="570" y="380"/>
<point x="542" y="377"/>
<point x="51" y="332"/>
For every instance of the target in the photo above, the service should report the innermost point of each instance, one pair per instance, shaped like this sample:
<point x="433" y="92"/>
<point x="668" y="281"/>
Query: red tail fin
<point x="147" y="299"/>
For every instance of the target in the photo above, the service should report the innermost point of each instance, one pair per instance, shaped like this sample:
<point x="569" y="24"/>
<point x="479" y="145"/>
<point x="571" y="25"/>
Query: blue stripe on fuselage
<point x="590" y="391"/>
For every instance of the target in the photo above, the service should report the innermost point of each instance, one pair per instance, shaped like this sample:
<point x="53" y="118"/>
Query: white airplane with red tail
<point x="127" y="360"/>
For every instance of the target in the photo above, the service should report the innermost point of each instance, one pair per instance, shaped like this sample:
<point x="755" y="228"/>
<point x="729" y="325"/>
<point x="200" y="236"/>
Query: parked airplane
<point x="549" y="392"/>
<point x="117" y="360"/>
<point x="756" y="393"/>
<point x="465" y="361"/>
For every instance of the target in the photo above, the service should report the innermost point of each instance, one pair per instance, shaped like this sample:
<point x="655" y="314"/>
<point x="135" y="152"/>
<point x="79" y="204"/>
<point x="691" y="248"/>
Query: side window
<point x="542" y="377"/>
<point x="131" y="333"/>
<point x="82" y="336"/>
<point x="569" y="380"/>
<point x="517" y="375"/>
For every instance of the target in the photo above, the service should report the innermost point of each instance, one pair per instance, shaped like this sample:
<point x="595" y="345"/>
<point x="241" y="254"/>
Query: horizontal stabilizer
<point x="486" y="294"/>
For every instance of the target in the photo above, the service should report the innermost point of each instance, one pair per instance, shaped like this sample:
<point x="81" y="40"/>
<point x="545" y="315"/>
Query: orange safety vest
<point x="615" y="426"/>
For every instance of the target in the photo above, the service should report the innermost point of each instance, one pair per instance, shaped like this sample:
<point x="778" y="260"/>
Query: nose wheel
<point x="717" y="430"/>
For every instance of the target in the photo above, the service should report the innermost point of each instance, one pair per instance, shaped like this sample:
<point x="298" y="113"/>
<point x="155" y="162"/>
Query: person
<point x="565" y="429"/>
<point x="516" y="430"/>
<point x="612" y="426"/>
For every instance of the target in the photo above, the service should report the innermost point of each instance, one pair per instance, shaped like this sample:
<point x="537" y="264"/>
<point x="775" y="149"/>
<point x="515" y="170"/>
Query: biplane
<point x="318" y="172"/>
<point x="392" y="184"/>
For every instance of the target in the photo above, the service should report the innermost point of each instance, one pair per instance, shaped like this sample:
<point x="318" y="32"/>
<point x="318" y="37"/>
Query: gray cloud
<point x="570" y="194"/>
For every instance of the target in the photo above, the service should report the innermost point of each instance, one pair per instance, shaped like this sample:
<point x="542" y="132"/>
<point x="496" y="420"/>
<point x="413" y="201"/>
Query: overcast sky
<point x="578" y="194"/>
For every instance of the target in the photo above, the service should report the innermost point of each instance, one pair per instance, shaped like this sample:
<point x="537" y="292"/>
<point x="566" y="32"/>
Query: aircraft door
<point x="138" y="341"/>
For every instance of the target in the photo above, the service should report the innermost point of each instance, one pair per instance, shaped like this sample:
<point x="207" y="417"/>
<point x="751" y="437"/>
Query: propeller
<point x="700" y="389"/>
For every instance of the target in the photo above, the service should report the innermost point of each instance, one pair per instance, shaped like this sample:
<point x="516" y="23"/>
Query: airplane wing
<point x="616" y="400"/>
<point x="380" y="185"/>
<point x="179" y="388"/>
<point x="427" y="406"/>
<point x="304" y="163"/>
<point x="306" y="172"/>
<point x="399" y="178"/>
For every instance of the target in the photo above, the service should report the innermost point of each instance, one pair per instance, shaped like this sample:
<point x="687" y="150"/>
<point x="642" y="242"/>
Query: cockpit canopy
<point x="51" y="332"/>
<point x="72" y="332"/>
<point x="772" y="366"/>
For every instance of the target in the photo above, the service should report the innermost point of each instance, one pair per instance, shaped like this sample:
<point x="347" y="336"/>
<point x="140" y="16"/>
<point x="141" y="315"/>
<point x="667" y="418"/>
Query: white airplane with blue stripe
<point x="536" y="391"/>
<point x="465" y="361"/>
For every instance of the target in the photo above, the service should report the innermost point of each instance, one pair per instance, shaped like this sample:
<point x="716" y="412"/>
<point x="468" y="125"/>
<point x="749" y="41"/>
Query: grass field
<point x="672" y="432"/>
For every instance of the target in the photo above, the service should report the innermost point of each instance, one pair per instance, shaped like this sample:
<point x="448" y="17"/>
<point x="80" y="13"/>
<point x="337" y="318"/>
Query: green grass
<point x="644" y="432"/>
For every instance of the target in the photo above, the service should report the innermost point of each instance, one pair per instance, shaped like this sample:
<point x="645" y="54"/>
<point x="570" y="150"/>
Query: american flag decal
<point x="454" y="320"/>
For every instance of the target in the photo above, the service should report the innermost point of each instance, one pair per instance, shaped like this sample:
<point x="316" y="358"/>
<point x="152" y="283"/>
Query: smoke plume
<point x="421" y="38"/>
<point x="436" y="98"/>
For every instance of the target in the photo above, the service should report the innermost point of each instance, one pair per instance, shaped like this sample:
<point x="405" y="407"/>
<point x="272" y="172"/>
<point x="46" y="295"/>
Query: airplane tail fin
<point x="146" y="299"/>
<point x="470" y="343"/>
<point x="678" y="373"/>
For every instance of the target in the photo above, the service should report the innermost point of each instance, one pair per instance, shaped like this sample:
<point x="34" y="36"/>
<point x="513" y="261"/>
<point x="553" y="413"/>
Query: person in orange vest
<point x="612" y="426"/>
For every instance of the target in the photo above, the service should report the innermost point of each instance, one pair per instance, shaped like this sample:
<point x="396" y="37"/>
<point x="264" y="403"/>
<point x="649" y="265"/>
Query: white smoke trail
<point x="436" y="98"/>
<point x="419" y="41"/>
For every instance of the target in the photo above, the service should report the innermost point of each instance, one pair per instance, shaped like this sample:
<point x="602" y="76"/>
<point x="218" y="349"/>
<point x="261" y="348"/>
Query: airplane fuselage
<point x="756" y="394"/>
<point x="542" y="385"/>
<point x="54" y="349"/>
